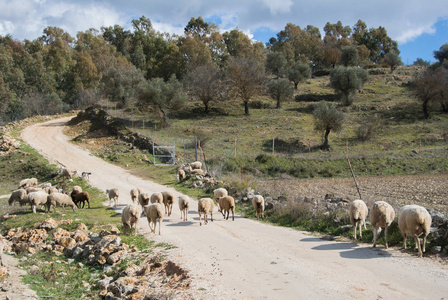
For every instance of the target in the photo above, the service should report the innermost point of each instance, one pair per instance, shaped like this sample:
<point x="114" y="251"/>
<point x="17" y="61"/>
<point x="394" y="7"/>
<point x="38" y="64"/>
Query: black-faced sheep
<point x="36" y="199"/>
<point x="414" y="220"/>
<point x="17" y="195"/>
<point x="154" y="213"/>
<point x="80" y="197"/>
<point x="358" y="213"/>
<point x="258" y="204"/>
<point x="205" y="205"/>
<point x="227" y="204"/>
<point x="134" y="194"/>
<point x="129" y="217"/>
<point x="184" y="205"/>
<point x="59" y="199"/>
<point x="113" y="195"/>
<point x="218" y="193"/>
<point x="382" y="214"/>
<point x="168" y="201"/>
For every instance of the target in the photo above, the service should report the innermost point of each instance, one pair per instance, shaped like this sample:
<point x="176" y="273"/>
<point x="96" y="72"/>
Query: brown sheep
<point x="227" y="204"/>
<point x="80" y="197"/>
<point x="168" y="201"/>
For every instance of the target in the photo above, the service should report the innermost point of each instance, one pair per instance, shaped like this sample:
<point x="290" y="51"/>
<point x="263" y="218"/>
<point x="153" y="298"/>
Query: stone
<point x="436" y="249"/>
<point x="114" y="230"/>
<point x="104" y="283"/>
<point x="77" y="252"/>
<point x="80" y="237"/>
<point x="115" y="257"/>
<point x="67" y="242"/>
<point x="48" y="224"/>
<point x="82" y="227"/>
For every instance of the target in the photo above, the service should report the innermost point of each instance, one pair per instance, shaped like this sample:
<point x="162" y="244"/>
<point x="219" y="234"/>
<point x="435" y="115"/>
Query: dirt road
<point x="245" y="259"/>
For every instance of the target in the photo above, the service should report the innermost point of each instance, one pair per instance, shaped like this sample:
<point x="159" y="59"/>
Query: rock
<point x="3" y="271"/>
<point x="47" y="224"/>
<point x="80" y="236"/>
<point x="82" y="227"/>
<point x="346" y="228"/>
<point x="67" y="242"/>
<point x="77" y="252"/>
<point x="438" y="219"/>
<point x="114" y="230"/>
<point x="115" y="257"/>
<point x="104" y="283"/>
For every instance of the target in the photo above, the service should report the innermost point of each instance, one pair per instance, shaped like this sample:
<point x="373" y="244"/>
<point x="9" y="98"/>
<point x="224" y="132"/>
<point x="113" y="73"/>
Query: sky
<point x="419" y="26"/>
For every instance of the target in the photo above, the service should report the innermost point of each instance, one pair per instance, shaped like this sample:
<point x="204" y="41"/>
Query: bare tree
<point x="205" y="83"/>
<point x="246" y="76"/>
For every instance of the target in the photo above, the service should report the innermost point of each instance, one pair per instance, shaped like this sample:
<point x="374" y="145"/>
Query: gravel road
<point x="245" y="259"/>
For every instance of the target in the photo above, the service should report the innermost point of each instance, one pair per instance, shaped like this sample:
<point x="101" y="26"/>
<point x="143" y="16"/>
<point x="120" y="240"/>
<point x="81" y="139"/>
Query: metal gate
<point x="165" y="155"/>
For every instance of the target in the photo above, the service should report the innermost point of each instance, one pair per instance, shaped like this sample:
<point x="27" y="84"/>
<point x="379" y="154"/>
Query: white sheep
<point x="129" y="217"/>
<point x="36" y="199"/>
<point x="134" y="194"/>
<point x="218" y="193"/>
<point x="382" y="214"/>
<point x="258" y="204"/>
<point x="143" y="199"/>
<point x="33" y="189"/>
<point x="60" y="199"/>
<point x="184" y="205"/>
<point x="205" y="205"/>
<point x="16" y="195"/>
<point x="227" y="204"/>
<point x="154" y="213"/>
<point x="358" y="213"/>
<point x="77" y="189"/>
<point x="168" y="201"/>
<point x="196" y="165"/>
<point x="156" y="198"/>
<point x="86" y="176"/>
<point x="113" y="194"/>
<point x="180" y="175"/>
<point x="28" y="182"/>
<point x="413" y="220"/>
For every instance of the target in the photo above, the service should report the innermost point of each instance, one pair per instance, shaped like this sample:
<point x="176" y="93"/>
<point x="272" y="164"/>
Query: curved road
<point x="246" y="259"/>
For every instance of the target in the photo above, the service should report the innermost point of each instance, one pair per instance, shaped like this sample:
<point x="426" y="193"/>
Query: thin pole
<point x="241" y="171"/>
<point x="420" y="148"/>
<point x="309" y="149"/>
<point x="196" y="148"/>
<point x="273" y="146"/>
<point x="351" y="170"/>
<point x="234" y="153"/>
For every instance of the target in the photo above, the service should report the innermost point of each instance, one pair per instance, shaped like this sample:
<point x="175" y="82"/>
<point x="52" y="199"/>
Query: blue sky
<point x="419" y="26"/>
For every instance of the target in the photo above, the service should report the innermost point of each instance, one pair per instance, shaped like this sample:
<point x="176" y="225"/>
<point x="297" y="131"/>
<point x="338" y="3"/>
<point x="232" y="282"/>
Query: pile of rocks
<point x="8" y="144"/>
<point x="144" y="276"/>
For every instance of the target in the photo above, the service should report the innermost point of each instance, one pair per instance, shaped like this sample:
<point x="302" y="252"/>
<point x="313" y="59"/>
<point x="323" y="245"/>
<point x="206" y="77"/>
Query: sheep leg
<point x="233" y="214"/>
<point x="404" y="240"/>
<point x="356" y="225"/>
<point x="385" y="235"/>
<point x="375" y="236"/>
<point x="88" y="203"/>
<point x="211" y="216"/>
<point x="424" y="243"/>
<point x="186" y="214"/>
<point x="33" y="208"/>
<point x="200" y="224"/>
<point x="360" y="230"/>
<point x="205" y="219"/>
<point x="160" y="225"/>
<point x="417" y="243"/>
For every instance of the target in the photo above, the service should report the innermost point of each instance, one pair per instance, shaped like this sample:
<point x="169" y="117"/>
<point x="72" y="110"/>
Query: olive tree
<point x="299" y="72"/>
<point x="280" y="90"/>
<point x="326" y="119"/>
<point x="349" y="56"/>
<point x="392" y="60"/>
<point x="164" y="96"/>
<point x="427" y="87"/>
<point x="348" y="81"/>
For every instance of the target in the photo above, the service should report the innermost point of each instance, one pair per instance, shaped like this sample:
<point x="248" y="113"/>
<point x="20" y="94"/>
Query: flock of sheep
<point x="413" y="220"/>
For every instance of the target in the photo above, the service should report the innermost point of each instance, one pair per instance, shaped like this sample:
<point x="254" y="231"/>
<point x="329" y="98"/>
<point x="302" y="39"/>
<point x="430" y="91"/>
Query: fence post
<point x="184" y="152"/>
<point x="273" y="146"/>
<point x="234" y="153"/>
<point x="309" y="149"/>
<point x="241" y="171"/>
<point x="196" y="148"/>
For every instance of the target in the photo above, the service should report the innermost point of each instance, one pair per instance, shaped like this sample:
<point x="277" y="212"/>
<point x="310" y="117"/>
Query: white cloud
<point x="277" y="7"/>
<point x="414" y="32"/>
<point x="6" y="27"/>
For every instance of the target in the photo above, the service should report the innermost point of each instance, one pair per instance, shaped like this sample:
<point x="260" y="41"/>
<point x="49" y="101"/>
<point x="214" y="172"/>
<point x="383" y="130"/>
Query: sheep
<point x="129" y="217"/>
<point x="59" y="199"/>
<point x="258" y="204"/>
<point x="37" y="198"/>
<point x="157" y="198"/>
<point x="33" y="189"/>
<point x="180" y="175"/>
<point x="134" y="194"/>
<point x="168" y="201"/>
<point x="153" y="213"/>
<point x="17" y="195"/>
<point x="144" y="199"/>
<point x="413" y="220"/>
<point x="218" y="193"/>
<point x="184" y="205"/>
<point x="382" y="214"/>
<point x="77" y="188"/>
<point x="2" y="245"/>
<point x="65" y="172"/>
<point x="28" y="182"/>
<point x="205" y="205"/>
<point x="196" y="165"/>
<point x="86" y="176"/>
<point x="52" y="190"/>
<point x="113" y="194"/>
<point x="358" y="213"/>
<point x="80" y="197"/>
<point x="227" y="203"/>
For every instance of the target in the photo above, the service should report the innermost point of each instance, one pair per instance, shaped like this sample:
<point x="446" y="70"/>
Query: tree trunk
<point x="246" y="108"/>
<point x="425" y="109"/>
<point x="325" y="145"/>
<point x="296" y="84"/>
<point x="164" y="118"/>
<point x="278" y="102"/>
<point x="206" y="106"/>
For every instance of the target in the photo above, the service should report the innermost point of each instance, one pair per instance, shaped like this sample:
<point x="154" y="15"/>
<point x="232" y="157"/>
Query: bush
<point x="369" y="128"/>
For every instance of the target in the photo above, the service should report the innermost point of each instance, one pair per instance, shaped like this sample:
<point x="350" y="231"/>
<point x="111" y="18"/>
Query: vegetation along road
<point x="246" y="259"/>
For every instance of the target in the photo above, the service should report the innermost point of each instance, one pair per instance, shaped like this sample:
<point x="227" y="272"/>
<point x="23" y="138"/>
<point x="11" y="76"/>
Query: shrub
<point x="369" y="128"/>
